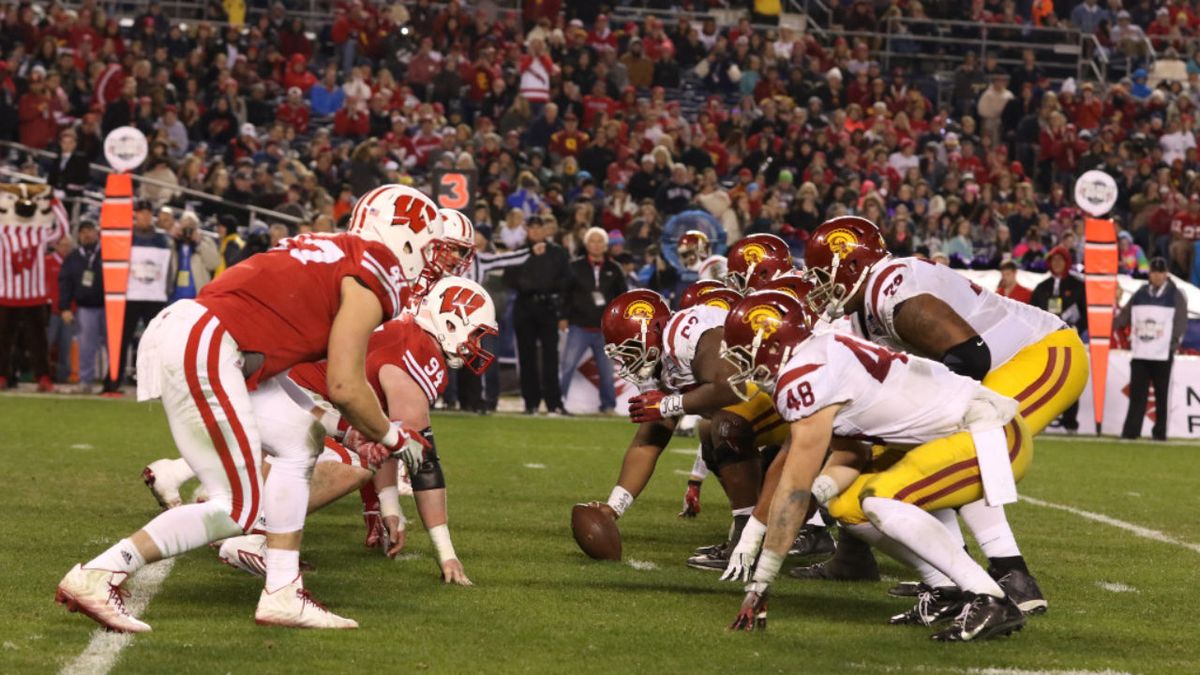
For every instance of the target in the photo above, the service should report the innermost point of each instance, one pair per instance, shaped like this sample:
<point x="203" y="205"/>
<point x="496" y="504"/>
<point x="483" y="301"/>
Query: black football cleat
<point x="710" y="549"/>
<point x="1024" y="591"/>
<point x="714" y="560"/>
<point x="934" y="606"/>
<point x="812" y="540"/>
<point x="906" y="589"/>
<point x="983" y="617"/>
<point x="852" y="561"/>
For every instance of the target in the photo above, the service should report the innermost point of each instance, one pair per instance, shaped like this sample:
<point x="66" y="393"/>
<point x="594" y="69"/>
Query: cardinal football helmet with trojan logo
<point x="840" y="255"/>
<point x="755" y="260"/>
<point x="709" y="292"/>
<point x="458" y="313"/>
<point x="761" y="332"/>
<point x="632" y="326"/>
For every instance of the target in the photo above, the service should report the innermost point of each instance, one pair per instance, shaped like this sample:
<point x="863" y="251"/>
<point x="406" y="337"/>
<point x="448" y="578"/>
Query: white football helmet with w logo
<point x="401" y="218"/>
<point x="458" y="313"/>
<point x="453" y="247"/>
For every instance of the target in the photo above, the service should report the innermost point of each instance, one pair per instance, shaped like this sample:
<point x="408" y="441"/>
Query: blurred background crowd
<point x="958" y="126"/>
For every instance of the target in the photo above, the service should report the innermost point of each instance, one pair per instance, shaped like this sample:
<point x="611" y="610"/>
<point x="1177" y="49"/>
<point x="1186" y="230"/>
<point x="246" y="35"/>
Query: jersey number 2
<point x="875" y="360"/>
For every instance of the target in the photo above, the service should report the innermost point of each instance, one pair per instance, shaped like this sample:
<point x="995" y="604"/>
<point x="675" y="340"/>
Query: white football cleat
<point x="98" y="594"/>
<point x="164" y="478"/>
<point x="293" y="607"/>
<point x="245" y="553"/>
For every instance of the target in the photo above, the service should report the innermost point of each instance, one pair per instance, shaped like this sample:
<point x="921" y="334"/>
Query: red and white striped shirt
<point x="535" y="77"/>
<point x="23" y="259"/>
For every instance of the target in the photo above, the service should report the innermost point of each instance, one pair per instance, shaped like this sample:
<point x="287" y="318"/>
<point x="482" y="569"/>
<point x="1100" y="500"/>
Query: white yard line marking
<point x="681" y="472"/>
<point x="976" y="671"/>
<point x="684" y="451"/>
<point x="1116" y="588"/>
<point x="642" y="565"/>
<point x="82" y="446"/>
<point x="1140" y="531"/>
<point x="1133" y="494"/>
<point x="105" y="648"/>
<point x="534" y="465"/>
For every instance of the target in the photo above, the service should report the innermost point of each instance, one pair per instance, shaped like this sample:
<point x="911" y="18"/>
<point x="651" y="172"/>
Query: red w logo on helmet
<point x="411" y="212"/>
<point x="461" y="301"/>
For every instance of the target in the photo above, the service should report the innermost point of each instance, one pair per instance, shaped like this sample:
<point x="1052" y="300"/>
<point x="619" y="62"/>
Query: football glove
<point x="691" y="500"/>
<point x="753" y="614"/>
<point x="654" y="406"/>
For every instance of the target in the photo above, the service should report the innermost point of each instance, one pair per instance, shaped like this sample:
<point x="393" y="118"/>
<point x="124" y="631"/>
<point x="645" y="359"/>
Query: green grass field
<point x="1119" y="602"/>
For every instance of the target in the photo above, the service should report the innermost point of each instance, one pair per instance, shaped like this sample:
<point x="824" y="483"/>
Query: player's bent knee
<point x="429" y="476"/>
<point x="732" y="439"/>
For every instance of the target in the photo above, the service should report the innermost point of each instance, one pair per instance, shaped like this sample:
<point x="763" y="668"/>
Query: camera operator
<point x="195" y="258"/>
<point x="539" y="284"/>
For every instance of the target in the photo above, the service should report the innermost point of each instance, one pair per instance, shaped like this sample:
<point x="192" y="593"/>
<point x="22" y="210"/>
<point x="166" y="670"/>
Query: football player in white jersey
<point x="696" y="254"/>
<point x="964" y="444"/>
<point x="675" y="361"/>
<point x="932" y="311"/>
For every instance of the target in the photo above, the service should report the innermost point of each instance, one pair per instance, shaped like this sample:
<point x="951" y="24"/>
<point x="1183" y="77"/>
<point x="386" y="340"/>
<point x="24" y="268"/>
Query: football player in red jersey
<point x="406" y="366"/>
<point x="446" y="247"/>
<point x="310" y="297"/>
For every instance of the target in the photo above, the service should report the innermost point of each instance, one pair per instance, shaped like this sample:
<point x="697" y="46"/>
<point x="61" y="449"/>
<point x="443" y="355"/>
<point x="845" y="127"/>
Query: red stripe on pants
<point x="239" y="432"/>
<point x="190" y="363"/>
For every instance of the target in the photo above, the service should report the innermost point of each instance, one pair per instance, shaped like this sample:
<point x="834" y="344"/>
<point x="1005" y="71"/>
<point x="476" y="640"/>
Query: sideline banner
<point x="1183" y="410"/>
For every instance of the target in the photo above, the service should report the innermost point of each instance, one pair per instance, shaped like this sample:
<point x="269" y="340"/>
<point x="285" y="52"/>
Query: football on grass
<point x="596" y="532"/>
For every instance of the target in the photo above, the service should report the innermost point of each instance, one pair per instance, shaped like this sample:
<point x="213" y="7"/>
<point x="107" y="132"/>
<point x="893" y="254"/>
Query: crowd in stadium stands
<point x="585" y="121"/>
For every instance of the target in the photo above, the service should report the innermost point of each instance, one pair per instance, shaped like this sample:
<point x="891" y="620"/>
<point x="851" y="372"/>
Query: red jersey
<point x="401" y="343"/>
<point x="281" y="303"/>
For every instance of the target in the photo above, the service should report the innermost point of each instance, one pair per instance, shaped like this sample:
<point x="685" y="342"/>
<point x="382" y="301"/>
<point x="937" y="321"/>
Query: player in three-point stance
<point x="311" y="297"/>
<point x="957" y="447"/>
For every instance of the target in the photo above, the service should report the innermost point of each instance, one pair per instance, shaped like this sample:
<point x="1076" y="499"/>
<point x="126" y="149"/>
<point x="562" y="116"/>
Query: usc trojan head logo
<point x="764" y="319"/>
<point x="718" y="302"/>
<point x="640" y="310"/>
<point x="841" y="242"/>
<point x="754" y="253"/>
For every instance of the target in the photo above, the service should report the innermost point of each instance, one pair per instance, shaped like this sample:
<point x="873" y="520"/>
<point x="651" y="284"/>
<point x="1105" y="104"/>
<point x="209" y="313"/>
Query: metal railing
<point x="264" y="214"/>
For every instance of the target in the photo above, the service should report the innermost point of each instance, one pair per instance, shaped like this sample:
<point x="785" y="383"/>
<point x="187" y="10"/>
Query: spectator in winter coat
<point x="327" y="96"/>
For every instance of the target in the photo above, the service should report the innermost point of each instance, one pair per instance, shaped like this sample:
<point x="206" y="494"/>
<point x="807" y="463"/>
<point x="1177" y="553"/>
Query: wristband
<point x="767" y="569"/>
<point x="620" y="499"/>
<point x="752" y="534"/>
<point x="391" y="439"/>
<point x="441" y="542"/>
<point x="671" y="406"/>
<point x="389" y="503"/>
<point x="824" y="488"/>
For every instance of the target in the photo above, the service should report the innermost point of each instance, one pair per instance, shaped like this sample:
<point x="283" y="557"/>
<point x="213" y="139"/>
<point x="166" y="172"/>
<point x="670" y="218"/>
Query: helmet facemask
<point x="471" y="354"/>
<point x="635" y="361"/>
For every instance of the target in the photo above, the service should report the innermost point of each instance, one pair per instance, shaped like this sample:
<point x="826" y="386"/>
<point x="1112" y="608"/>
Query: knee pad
<point x="429" y="476"/>
<point x="732" y="439"/>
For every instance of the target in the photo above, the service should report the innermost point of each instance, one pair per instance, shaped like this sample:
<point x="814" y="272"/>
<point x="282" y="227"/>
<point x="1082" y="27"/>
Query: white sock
<point x="991" y="529"/>
<point x="122" y="556"/>
<point x="699" y="468"/>
<point x="949" y="518"/>
<point x="191" y="526"/>
<point x="283" y="567"/>
<point x="929" y="574"/>
<point x="925" y="536"/>
<point x="816" y="520"/>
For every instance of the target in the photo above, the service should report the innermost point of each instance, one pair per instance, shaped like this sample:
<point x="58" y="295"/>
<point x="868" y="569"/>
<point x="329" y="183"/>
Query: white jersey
<point x="887" y="396"/>
<point x="714" y="268"/>
<point x="680" y="339"/>
<point x="1007" y="326"/>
